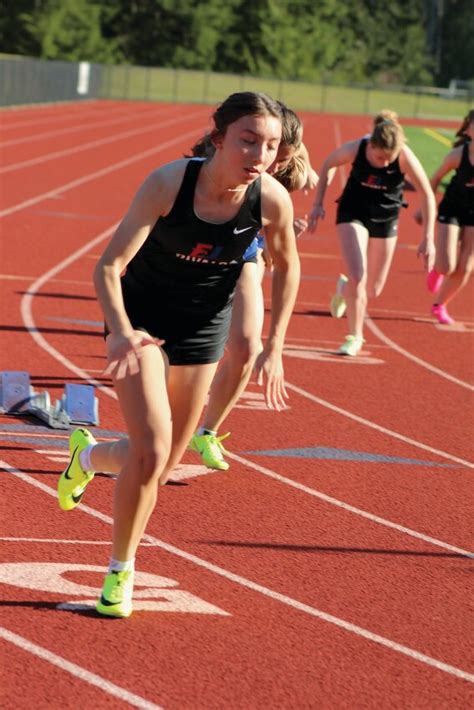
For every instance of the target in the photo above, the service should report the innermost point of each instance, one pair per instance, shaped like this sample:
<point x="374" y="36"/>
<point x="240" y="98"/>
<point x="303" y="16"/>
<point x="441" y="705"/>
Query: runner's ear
<point x="217" y="139"/>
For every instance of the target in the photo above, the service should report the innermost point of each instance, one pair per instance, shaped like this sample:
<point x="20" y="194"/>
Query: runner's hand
<point x="123" y="353"/>
<point x="428" y="252"/>
<point x="300" y="224"/>
<point x="270" y="375"/>
<point x="318" y="212"/>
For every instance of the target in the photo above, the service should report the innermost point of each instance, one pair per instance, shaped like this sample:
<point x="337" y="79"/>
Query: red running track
<point x="329" y="567"/>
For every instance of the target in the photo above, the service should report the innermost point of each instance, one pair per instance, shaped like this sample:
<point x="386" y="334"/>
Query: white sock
<point x="85" y="458"/>
<point x="341" y="284"/>
<point x="118" y="566"/>
<point x="202" y="430"/>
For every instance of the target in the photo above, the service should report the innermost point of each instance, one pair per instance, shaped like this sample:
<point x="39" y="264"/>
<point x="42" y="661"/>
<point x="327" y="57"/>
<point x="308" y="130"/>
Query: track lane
<point x="363" y="484"/>
<point x="251" y="619"/>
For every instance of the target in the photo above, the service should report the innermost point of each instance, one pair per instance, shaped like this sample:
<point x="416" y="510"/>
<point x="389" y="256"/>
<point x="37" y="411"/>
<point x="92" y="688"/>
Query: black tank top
<point x="190" y="263"/>
<point x="460" y="191"/>
<point x="373" y="192"/>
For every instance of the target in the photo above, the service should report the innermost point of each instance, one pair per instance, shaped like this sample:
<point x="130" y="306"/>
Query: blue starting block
<point x="78" y="405"/>
<point x="15" y="392"/>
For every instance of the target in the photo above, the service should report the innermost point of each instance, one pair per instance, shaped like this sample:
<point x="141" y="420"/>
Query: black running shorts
<point x="448" y="214"/>
<point x="189" y="340"/>
<point x="376" y="229"/>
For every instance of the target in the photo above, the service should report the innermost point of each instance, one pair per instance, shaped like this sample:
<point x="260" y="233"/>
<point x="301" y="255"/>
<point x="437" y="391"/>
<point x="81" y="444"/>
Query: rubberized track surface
<point x="329" y="568"/>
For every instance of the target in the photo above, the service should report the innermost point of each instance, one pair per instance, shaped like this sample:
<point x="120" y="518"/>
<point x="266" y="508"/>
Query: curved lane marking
<point x="381" y="336"/>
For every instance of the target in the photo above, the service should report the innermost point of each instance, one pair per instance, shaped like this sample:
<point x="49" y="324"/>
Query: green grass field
<point x="430" y="145"/>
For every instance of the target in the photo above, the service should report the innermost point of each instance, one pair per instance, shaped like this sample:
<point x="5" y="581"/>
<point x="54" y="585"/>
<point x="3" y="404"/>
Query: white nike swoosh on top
<point x="238" y="231"/>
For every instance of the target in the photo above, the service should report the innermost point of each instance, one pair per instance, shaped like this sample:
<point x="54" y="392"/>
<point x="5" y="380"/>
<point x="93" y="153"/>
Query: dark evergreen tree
<point x="457" y="41"/>
<point x="404" y="41"/>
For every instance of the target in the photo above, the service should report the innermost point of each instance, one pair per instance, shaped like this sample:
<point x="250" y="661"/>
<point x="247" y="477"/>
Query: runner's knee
<point x="358" y="280"/>
<point x="149" y="458"/>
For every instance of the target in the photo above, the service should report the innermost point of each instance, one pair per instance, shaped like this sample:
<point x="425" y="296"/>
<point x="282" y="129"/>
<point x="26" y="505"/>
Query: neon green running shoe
<point x="116" y="599"/>
<point x="73" y="481"/>
<point x="338" y="302"/>
<point x="352" y="345"/>
<point x="211" y="450"/>
<point x="337" y="306"/>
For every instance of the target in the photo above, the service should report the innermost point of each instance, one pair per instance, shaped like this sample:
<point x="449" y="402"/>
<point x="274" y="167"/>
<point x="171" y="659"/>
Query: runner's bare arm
<point x="153" y="199"/>
<point x="409" y="163"/>
<point x="342" y="155"/>
<point x="277" y="212"/>
<point x="450" y="162"/>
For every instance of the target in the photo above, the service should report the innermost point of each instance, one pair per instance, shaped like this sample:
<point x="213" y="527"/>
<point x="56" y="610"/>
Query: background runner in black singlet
<point x="455" y="228"/>
<point x="367" y="216"/>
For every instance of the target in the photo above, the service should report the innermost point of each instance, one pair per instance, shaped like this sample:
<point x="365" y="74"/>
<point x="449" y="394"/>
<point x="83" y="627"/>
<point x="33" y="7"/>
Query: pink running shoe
<point x="434" y="281"/>
<point x="441" y="314"/>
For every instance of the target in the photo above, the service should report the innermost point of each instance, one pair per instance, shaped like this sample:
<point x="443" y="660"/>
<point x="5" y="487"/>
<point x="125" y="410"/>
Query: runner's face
<point x="249" y="146"/>
<point x="380" y="158"/>
<point x="284" y="155"/>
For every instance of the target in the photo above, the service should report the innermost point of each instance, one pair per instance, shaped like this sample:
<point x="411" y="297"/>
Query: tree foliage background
<point x="402" y="41"/>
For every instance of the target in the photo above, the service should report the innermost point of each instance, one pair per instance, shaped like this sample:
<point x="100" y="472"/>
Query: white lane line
<point x="94" y="144"/>
<point x="130" y="116"/>
<point x="99" y="173"/>
<point x="260" y="589"/>
<point x="350" y="508"/>
<point x="65" y="542"/>
<point x="27" y="315"/>
<point x="51" y="452"/>
<point x="378" y="427"/>
<point x="65" y="115"/>
<point x="77" y="671"/>
<point x="419" y="361"/>
<point x="12" y="277"/>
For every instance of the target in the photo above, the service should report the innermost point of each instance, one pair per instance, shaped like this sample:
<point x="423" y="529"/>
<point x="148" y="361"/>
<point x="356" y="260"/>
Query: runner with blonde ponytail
<point x="367" y="217"/>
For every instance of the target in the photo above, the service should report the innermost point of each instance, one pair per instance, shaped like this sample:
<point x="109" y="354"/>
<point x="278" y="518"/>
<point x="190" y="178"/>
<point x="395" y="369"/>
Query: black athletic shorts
<point x="189" y="339"/>
<point x="377" y="229"/>
<point x="449" y="214"/>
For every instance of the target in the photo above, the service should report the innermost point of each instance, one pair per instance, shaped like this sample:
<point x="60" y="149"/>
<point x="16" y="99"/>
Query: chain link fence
<point x="25" y="81"/>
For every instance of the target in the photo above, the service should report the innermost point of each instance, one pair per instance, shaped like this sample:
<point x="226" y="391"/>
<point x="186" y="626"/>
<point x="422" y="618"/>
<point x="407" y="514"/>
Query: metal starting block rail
<point x="78" y="405"/>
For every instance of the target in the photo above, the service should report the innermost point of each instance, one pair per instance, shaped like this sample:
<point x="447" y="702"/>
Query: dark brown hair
<point x="461" y="135"/>
<point x="243" y="103"/>
<point x="387" y="133"/>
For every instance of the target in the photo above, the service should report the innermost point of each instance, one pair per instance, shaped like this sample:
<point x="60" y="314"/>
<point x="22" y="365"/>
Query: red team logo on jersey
<point x="375" y="182"/>
<point x="201" y="250"/>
